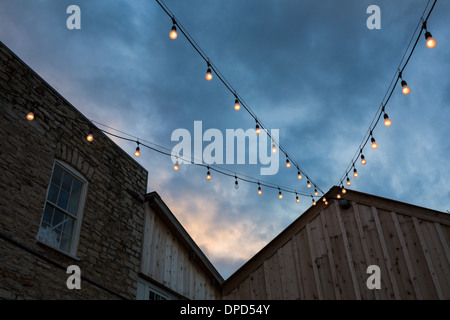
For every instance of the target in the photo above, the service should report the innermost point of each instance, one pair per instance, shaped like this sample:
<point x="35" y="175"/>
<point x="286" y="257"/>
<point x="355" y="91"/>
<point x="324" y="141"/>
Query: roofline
<point x="155" y="201"/>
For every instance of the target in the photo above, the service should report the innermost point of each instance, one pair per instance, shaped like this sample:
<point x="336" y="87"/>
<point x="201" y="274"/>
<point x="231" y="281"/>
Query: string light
<point x="257" y="129"/>
<point x="299" y="175"/>
<point x="288" y="164"/>
<point x="355" y="173"/>
<point x="30" y="115"/>
<point x="274" y="148"/>
<point x="344" y="191"/>
<point x="308" y="184"/>
<point x="348" y="182"/>
<point x="208" y="175"/>
<point x="338" y="196"/>
<point x="176" y="167"/>
<point x="296" y="198"/>
<point x="208" y="75"/>
<point x="236" y="183"/>
<point x="313" y="202"/>
<point x="374" y="143"/>
<point x="363" y="160"/>
<point x="137" y="153"/>
<point x="405" y="89"/>
<point x="387" y="121"/>
<point x="173" y="32"/>
<point x="279" y="194"/>
<point x="237" y="106"/>
<point x="90" y="137"/>
<point x="259" y="188"/>
<point x="430" y="41"/>
<point x="315" y="192"/>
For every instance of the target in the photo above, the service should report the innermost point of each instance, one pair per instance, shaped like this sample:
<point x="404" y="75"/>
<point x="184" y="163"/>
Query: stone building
<point x="67" y="201"/>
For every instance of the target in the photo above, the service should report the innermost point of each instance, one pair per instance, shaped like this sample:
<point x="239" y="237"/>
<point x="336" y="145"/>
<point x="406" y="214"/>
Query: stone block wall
<point x="109" y="245"/>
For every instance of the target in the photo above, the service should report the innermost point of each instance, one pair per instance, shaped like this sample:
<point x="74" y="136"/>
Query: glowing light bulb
<point x="431" y="42"/>
<point x="208" y="175"/>
<point x="315" y="192"/>
<point x="363" y="160"/>
<point x="405" y="88"/>
<point x="173" y="33"/>
<point x="259" y="190"/>
<point x="208" y="74"/>
<point x="338" y="196"/>
<point x="348" y="182"/>
<point x="387" y="121"/>
<point x="288" y="164"/>
<point x="326" y="203"/>
<point x="90" y="137"/>
<point x="314" y="203"/>
<point x="237" y="106"/>
<point x="137" y="153"/>
<point x="355" y="173"/>
<point x="324" y="199"/>
<point x="274" y="148"/>
<point x="280" y="195"/>
<point x="176" y="167"/>
<point x="343" y="190"/>
<point x="257" y="129"/>
<point x="308" y="184"/>
<point x="299" y="175"/>
<point x="374" y="143"/>
<point x="30" y="116"/>
<point x="297" y="199"/>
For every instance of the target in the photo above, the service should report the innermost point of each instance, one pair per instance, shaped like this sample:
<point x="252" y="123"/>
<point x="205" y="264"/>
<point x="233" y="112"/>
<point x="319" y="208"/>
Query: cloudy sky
<point x="311" y="69"/>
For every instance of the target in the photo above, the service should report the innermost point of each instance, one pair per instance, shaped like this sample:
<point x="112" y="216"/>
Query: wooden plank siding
<point x="170" y="258"/>
<point x="324" y="254"/>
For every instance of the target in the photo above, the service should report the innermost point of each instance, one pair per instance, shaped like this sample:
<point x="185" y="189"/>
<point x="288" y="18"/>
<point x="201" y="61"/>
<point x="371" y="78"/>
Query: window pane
<point x="65" y="243"/>
<point x="57" y="176"/>
<point x="76" y="189"/>
<point x="68" y="226"/>
<point x="73" y="206"/>
<point x="53" y="193"/>
<point x="66" y="183"/>
<point x="58" y="217"/>
<point x="48" y="214"/>
<point x="63" y="200"/>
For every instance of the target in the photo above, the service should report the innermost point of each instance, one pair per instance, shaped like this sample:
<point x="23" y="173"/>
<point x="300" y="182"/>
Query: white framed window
<point x="149" y="291"/>
<point x="63" y="210"/>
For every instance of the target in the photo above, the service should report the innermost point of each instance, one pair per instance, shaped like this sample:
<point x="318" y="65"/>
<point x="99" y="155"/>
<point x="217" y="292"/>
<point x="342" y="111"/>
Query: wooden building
<point x="326" y="252"/>
<point x="172" y="265"/>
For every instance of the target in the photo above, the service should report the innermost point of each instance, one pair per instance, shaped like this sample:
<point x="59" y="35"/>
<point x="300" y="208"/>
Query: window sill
<point x="43" y="244"/>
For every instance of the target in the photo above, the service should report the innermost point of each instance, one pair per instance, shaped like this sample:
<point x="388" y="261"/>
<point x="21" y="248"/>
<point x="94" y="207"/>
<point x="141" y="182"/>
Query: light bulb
<point x="274" y="148"/>
<point x="288" y="164"/>
<point x="176" y="167"/>
<point x="90" y="137"/>
<point x="338" y="196"/>
<point x="374" y="143"/>
<point x="363" y="160"/>
<point x="308" y="184"/>
<point x="297" y="199"/>
<point x="280" y="195"/>
<point x="237" y="106"/>
<point x="348" y="182"/>
<point x="343" y="190"/>
<point x="387" y="121"/>
<point x="208" y="74"/>
<point x="314" y="203"/>
<point x="236" y="184"/>
<point x="137" y="153"/>
<point x="30" y="116"/>
<point x="405" y="88"/>
<point x="324" y="199"/>
<point x="326" y="203"/>
<point x="208" y="175"/>
<point x="299" y="175"/>
<point x="173" y="33"/>
<point x="431" y="42"/>
<point x="257" y="129"/>
<point x="259" y="190"/>
<point x="315" y="192"/>
<point x="355" y="173"/>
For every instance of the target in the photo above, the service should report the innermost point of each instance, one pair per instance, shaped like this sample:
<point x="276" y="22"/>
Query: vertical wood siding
<point x="325" y="254"/>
